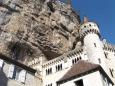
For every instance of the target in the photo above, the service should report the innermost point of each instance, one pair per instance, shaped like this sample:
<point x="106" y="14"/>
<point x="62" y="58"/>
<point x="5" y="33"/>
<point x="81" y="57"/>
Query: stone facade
<point x="49" y="37"/>
<point x="28" y="80"/>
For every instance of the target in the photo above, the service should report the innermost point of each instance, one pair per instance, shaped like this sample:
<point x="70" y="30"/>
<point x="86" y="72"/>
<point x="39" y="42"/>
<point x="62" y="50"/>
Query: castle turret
<point x="90" y="33"/>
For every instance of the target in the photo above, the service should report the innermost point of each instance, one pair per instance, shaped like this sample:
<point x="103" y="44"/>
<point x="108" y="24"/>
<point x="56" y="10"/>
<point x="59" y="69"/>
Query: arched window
<point x="48" y="71"/>
<point x="59" y="67"/>
<point x="56" y="68"/>
<point x="75" y="60"/>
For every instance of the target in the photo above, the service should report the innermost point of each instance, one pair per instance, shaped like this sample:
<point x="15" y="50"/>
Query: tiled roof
<point x="78" y="69"/>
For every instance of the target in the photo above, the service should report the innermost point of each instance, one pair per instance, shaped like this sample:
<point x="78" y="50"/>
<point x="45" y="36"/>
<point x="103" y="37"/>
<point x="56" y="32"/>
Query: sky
<point x="100" y="11"/>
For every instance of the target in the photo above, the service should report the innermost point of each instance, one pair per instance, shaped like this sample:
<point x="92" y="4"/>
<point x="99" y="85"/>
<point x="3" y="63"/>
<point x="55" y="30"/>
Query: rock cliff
<point x="33" y="28"/>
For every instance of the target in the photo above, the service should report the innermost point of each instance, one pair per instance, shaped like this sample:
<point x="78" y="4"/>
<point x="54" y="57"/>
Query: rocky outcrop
<point x="33" y="28"/>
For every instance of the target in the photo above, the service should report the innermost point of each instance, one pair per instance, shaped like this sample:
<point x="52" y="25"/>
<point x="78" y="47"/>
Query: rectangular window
<point x="111" y="71"/>
<point x="99" y="61"/>
<point x="48" y="71"/>
<point x="17" y="75"/>
<point x="106" y="54"/>
<point x="58" y="67"/>
<point x="79" y="83"/>
<point x="11" y="71"/>
<point x="22" y="76"/>
<point x="49" y="84"/>
<point x="95" y="44"/>
<point x="75" y="60"/>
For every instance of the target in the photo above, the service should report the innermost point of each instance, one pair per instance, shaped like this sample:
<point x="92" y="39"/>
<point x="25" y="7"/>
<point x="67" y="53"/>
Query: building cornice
<point x="63" y="57"/>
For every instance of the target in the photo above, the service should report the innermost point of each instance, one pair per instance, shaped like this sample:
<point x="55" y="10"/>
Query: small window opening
<point x="49" y="84"/>
<point x="48" y="71"/>
<point x="58" y="67"/>
<point x="84" y="26"/>
<point x="95" y="44"/>
<point x="90" y="25"/>
<point x="77" y="59"/>
<point x="73" y="61"/>
<point x="79" y="83"/>
<point x="99" y="61"/>
<point x="111" y="71"/>
<point x="106" y="54"/>
<point x="80" y="57"/>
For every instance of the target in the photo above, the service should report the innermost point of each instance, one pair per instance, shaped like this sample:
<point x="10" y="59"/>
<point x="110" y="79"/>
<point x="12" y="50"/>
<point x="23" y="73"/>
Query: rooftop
<point x="81" y="68"/>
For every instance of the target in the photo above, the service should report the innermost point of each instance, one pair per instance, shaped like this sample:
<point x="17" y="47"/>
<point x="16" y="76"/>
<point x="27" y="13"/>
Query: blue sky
<point x="100" y="11"/>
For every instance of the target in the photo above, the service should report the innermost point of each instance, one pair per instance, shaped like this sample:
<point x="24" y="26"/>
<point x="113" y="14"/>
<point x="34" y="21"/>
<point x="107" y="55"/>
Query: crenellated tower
<point x="90" y="34"/>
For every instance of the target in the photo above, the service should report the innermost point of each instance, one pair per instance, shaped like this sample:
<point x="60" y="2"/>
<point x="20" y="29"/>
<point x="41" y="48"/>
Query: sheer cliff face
<point x="31" y="28"/>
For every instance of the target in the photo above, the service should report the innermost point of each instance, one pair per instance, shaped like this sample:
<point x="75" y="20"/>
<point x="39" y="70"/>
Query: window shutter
<point x="11" y="71"/>
<point x="22" y="76"/>
<point x="1" y="63"/>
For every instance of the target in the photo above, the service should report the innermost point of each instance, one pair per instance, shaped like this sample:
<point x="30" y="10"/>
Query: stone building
<point x="90" y="62"/>
<point x="68" y="69"/>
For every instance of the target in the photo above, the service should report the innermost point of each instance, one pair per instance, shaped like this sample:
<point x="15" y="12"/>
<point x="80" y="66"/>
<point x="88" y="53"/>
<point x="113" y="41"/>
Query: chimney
<point x="85" y="19"/>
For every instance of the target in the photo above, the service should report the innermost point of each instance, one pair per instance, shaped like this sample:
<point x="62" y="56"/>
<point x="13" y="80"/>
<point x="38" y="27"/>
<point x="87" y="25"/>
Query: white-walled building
<point x="92" y="50"/>
<point x="90" y="64"/>
<point x="84" y="73"/>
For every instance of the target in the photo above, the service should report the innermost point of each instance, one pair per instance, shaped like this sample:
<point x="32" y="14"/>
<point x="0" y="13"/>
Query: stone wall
<point x="30" y="79"/>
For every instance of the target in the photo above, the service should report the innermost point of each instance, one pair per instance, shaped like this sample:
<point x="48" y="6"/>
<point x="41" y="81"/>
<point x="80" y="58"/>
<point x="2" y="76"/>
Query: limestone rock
<point x="33" y="28"/>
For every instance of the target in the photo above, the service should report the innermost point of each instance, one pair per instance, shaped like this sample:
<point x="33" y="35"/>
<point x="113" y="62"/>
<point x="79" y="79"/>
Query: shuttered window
<point x="1" y="63"/>
<point x="11" y="71"/>
<point x="22" y="76"/>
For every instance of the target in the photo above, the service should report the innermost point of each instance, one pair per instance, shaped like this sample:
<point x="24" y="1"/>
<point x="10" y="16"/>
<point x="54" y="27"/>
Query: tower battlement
<point x="89" y="27"/>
